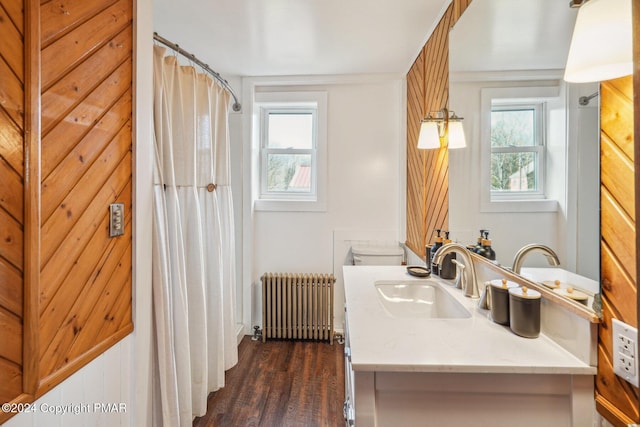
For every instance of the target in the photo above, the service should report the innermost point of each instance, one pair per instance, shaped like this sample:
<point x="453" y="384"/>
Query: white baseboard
<point x="239" y="332"/>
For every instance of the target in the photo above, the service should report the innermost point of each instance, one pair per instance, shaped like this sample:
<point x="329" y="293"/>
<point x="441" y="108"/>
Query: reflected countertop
<point x="541" y="274"/>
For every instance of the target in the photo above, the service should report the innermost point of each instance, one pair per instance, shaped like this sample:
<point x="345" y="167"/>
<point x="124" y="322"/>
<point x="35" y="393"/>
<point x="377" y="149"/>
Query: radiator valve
<point x="257" y="333"/>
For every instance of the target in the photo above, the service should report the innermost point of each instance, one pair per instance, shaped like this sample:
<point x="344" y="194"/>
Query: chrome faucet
<point x="552" y="257"/>
<point x="470" y="286"/>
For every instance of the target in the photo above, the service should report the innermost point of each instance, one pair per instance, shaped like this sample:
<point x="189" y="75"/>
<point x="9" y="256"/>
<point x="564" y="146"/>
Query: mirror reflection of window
<point x="517" y="150"/>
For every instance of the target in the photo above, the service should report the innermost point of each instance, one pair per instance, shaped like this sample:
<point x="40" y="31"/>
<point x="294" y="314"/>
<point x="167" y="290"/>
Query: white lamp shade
<point x="601" y="46"/>
<point x="456" y="135"/>
<point x="429" y="136"/>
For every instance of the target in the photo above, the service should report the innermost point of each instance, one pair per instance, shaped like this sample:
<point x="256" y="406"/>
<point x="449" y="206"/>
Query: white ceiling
<point x="512" y="35"/>
<point x="324" y="37"/>
<point x="300" y="37"/>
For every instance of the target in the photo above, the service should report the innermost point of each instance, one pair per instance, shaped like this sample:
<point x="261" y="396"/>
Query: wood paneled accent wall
<point x="428" y="170"/>
<point x="616" y="398"/>
<point x="12" y="99"/>
<point x="65" y="155"/>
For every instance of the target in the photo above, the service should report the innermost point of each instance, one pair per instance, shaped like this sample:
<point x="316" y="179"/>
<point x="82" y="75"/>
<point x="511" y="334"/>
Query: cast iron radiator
<point x="297" y="306"/>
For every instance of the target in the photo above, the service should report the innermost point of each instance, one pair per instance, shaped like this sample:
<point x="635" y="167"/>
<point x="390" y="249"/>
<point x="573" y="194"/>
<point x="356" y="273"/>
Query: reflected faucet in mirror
<point x="549" y="253"/>
<point x="470" y="285"/>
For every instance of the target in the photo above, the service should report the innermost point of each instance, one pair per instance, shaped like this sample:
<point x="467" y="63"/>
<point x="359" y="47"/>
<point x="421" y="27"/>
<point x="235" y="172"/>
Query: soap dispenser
<point x="478" y="247"/>
<point x="487" y="250"/>
<point x="448" y="268"/>
<point x="437" y="245"/>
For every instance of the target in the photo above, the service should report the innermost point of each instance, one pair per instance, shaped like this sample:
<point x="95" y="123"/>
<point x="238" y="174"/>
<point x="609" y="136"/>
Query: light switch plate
<point x="116" y="219"/>
<point x="625" y="352"/>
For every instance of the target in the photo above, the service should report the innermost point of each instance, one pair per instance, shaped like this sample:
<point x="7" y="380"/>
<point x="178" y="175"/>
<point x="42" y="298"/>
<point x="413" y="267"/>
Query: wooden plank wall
<point x="85" y="286"/>
<point x="416" y="159"/>
<point x="77" y="139"/>
<point x="616" y="398"/>
<point x="428" y="170"/>
<point x="11" y="197"/>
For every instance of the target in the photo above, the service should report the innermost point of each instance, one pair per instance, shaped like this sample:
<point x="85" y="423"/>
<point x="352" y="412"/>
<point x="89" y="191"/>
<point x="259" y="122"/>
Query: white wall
<point x="572" y="148"/>
<point x="103" y="380"/>
<point x="584" y="175"/>
<point x="365" y="145"/>
<point x="142" y="348"/>
<point x="235" y="141"/>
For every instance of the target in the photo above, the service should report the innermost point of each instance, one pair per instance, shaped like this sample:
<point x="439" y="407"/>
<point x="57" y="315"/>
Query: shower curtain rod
<point x="584" y="100"/>
<point x="236" y="105"/>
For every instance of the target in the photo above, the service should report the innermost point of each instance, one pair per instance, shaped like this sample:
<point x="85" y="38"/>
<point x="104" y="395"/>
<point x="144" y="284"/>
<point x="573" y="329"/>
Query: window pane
<point x="290" y="130"/>
<point x="289" y="172"/>
<point x="514" y="172"/>
<point x="513" y="128"/>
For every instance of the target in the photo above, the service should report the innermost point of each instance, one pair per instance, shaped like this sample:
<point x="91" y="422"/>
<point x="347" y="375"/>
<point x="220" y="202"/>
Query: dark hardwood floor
<point x="280" y="383"/>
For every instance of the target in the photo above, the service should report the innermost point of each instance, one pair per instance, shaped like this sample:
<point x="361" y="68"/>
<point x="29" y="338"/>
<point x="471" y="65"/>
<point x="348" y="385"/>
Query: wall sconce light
<point x="439" y="124"/>
<point x="429" y="136"/>
<point x="601" y="45"/>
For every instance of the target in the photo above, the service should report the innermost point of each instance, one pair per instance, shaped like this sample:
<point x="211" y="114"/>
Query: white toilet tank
<point x="377" y="255"/>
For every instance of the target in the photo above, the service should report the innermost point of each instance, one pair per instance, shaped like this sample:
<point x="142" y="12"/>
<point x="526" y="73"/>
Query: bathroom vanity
<point x="411" y="366"/>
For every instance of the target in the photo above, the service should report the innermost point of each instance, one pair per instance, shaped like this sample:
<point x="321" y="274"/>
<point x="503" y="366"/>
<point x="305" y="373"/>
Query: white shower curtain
<point x="193" y="242"/>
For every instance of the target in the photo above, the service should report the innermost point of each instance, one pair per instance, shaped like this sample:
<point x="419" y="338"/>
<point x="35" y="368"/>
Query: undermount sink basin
<point x="419" y="299"/>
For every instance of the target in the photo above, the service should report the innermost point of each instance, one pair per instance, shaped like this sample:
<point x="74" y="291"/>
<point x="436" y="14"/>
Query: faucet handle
<point x="461" y="281"/>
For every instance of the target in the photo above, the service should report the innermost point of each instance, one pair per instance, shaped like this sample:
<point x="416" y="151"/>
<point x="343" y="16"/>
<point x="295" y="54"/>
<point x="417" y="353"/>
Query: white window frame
<point x="265" y="151"/>
<point x="516" y="201"/>
<point x="302" y="101"/>
<point x="539" y="148"/>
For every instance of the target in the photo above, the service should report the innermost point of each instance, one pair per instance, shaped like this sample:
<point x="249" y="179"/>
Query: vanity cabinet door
<point x="349" y="409"/>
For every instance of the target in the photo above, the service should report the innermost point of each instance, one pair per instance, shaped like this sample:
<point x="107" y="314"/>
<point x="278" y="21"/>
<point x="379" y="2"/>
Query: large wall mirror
<point x="506" y="63"/>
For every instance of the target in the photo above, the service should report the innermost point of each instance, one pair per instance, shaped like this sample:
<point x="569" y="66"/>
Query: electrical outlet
<point x="625" y="352"/>
<point x="627" y="364"/>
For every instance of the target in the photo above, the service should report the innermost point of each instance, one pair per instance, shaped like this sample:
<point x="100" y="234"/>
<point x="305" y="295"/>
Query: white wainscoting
<point x="105" y="380"/>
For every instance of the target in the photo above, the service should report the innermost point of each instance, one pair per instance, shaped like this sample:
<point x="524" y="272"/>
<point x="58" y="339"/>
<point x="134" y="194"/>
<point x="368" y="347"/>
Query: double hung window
<point x="288" y="153"/>
<point x="291" y="142"/>
<point x="517" y="151"/>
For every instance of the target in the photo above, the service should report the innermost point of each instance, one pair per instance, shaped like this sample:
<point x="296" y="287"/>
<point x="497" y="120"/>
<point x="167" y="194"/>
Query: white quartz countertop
<point x="380" y="342"/>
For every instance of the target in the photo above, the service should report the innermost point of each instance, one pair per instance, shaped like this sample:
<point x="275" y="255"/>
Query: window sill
<point x="541" y="205"/>
<point x="289" y="205"/>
